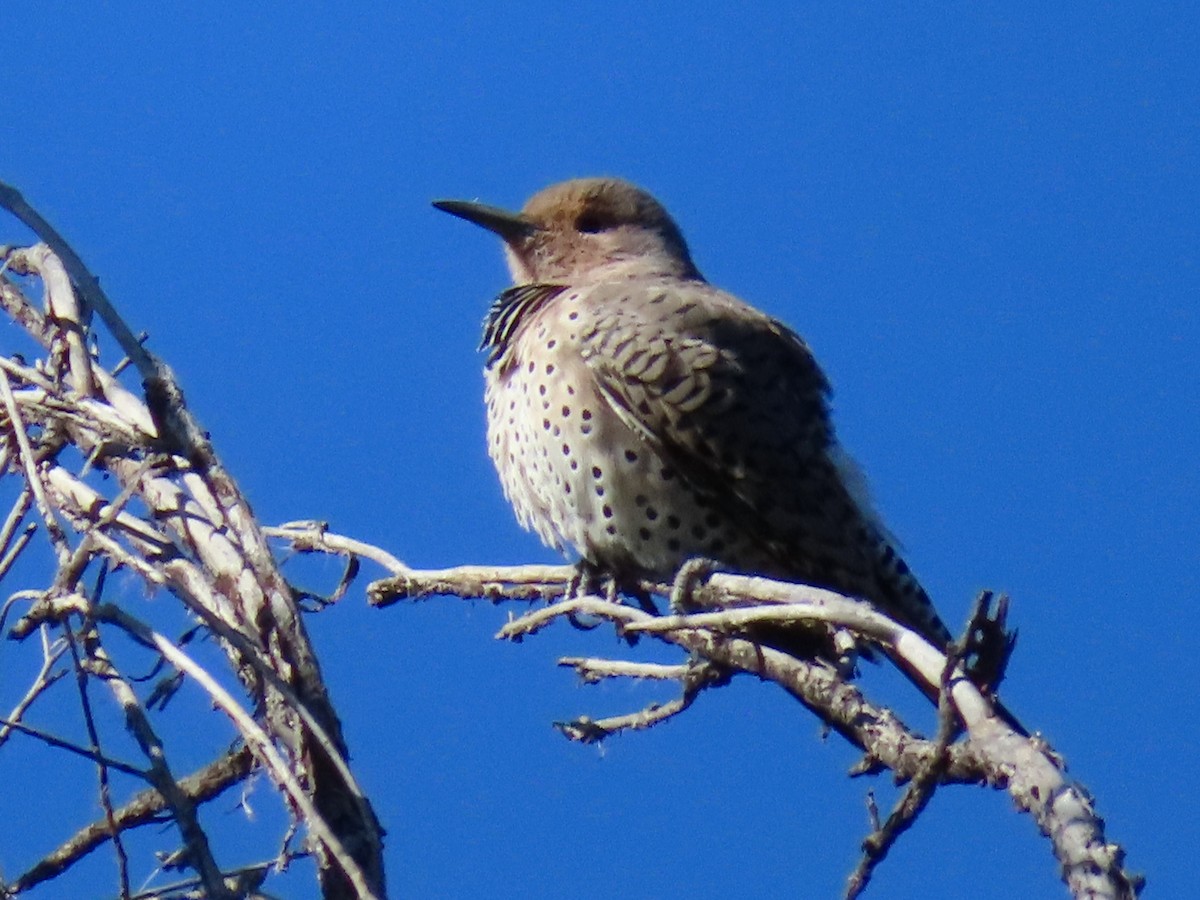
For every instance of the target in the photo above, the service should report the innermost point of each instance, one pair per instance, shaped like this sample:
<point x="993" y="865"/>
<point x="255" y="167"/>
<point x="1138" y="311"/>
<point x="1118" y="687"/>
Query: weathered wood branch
<point x="192" y="533"/>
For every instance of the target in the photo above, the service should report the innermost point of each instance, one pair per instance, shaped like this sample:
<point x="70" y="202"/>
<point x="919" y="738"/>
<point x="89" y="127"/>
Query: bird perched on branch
<point x="643" y="417"/>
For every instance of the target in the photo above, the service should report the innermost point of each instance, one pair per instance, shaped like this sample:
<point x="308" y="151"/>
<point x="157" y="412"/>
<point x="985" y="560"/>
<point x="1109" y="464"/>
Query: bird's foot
<point x="690" y="576"/>
<point x="592" y="580"/>
<point x="585" y="581"/>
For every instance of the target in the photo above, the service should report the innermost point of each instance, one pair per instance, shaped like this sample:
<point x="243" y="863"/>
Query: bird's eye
<point x="590" y="223"/>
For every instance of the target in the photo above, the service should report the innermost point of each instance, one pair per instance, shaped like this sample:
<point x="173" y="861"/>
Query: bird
<point x="641" y="417"/>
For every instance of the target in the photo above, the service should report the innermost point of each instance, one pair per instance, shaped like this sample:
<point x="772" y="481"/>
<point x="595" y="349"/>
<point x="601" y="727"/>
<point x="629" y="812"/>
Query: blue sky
<point x="983" y="218"/>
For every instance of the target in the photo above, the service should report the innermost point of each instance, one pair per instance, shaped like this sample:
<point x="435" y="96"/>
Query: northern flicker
<point x="643" y="417"/>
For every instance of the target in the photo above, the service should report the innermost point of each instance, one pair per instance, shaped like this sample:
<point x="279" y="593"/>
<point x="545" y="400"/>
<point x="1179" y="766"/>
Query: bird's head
<point x="584" y="229"/>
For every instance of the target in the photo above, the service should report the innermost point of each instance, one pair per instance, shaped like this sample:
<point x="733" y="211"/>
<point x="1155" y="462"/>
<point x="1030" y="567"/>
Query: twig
<point x="183" y="810"/>
<point x="920" y="789"/>
<point x="314" y="537"/>
<point x="485" y="582"/>
<point x="995" y="753"/>
<point x="243" y="881"/>
<point x="594" y="670"/>
<point x="42" y="682"/>
<point x="64" y="311"/>
<point x="89" y="721"/>
<point x="258" y="741"/>
<point x="47" y="738"/>
<point x="818" y="686"/>
<point x="15" y="516"/>
<point x="201" y="786"/>
<point x="57" y="536"/>
<point x="89" y="286"/>
<point x="14" y="551"/>
<point x="699" y="675"/>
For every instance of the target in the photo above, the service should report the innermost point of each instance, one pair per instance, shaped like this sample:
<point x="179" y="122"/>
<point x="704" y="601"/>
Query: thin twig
<point x="57" y="536"/>
<point x="699" y="675"/>
<point x="243" y="881"/>
<point x="51" y="740"/>
<point x="14" y="551"/>
<point x="89" y="286"/>
<point x="15" y="516"/>
<point x="42" y="682"/>
<point x="144" y="808"/>
<point x="183" y="810"/>
<point x="314" y="537"/>
<point x="594" y="670"/>
<point x="920" y="789"/>
<point x="260" y="744"/>
<point x="89" y="720"/>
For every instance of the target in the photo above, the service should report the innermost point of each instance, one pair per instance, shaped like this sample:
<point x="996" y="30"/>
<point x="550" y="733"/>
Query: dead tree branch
<point x="172" y="516"/>
<point x="993" y="752"/>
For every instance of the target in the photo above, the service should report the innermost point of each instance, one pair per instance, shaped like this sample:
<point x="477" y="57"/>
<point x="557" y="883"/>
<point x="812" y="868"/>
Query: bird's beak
<point x="509" y="225"/>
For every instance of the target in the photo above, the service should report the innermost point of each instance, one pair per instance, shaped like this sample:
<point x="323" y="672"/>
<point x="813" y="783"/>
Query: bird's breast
<point x="575" y="472"/>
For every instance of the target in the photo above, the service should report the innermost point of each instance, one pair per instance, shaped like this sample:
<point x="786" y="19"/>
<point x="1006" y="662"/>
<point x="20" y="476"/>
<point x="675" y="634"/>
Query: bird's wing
<point x="737" y="404"/>
<point x="731" y="398"/>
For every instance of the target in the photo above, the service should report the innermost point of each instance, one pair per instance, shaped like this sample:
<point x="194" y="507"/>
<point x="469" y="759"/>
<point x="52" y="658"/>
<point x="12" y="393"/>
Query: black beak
<point x="509" y="225"/>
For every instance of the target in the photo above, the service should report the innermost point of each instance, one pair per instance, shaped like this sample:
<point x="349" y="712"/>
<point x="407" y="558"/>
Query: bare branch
<point x="256" y="739"/>
<point x="994" y="753"/>
<point x="696" y="677"/>
<point x="71" y="747"/>
<point x="178" y="521"/>
<point x="921" y="789"/>
<point x="593" y="670"/>
<point x="45" y="678"/>
<point x="183" y="810"/>
<point x="32" y="477"/>
<point x="15" y="516"/>
<point x="144" y="809"/>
